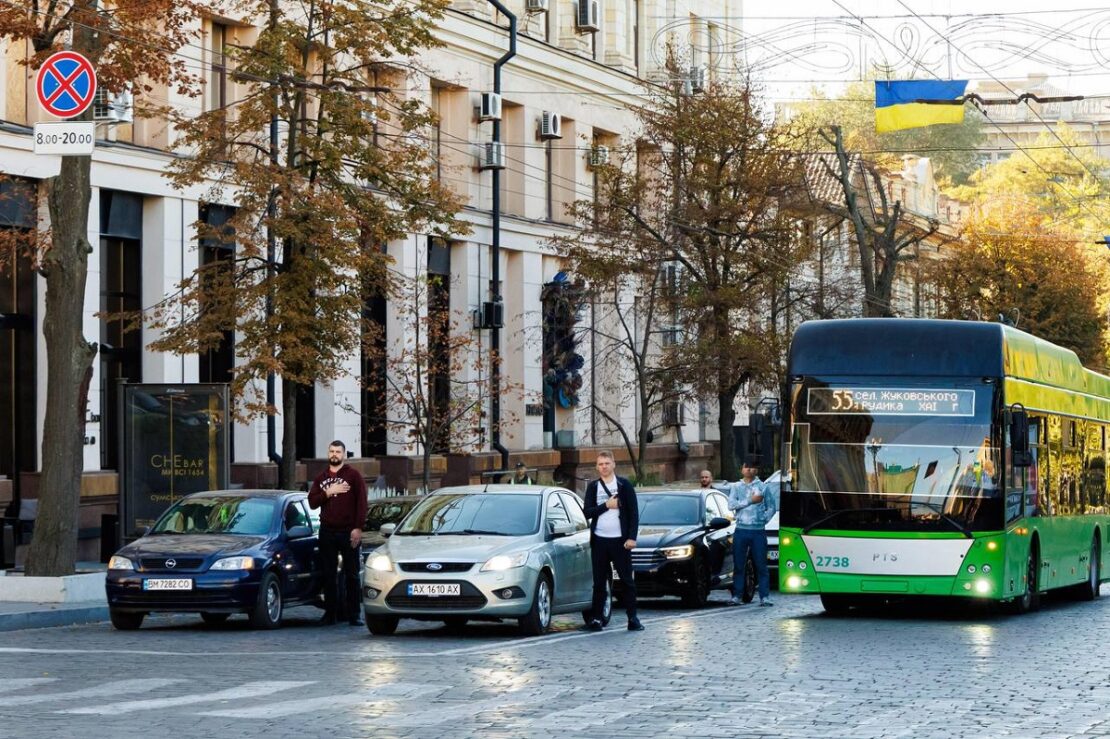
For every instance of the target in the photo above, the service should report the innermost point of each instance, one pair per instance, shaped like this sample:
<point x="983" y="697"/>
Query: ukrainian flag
<point x="895" y="109"/>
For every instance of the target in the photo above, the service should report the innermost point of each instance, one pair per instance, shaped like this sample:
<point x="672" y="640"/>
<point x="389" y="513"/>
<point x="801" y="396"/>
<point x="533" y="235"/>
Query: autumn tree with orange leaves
<point x="127" y="41"/>
<point x="346" y="170"/>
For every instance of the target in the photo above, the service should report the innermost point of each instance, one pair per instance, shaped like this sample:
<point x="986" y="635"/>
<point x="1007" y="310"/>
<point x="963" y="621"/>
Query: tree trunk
<point x="425" y="476"/>
<point x="69" y="357"/>
<point x="726" y="416"/>
<point x="287" y="472"/>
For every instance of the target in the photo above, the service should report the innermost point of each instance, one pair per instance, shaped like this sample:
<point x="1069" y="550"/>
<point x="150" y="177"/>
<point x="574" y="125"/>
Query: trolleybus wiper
<point x="948" y="519"/>
<point x="834" y="514"/>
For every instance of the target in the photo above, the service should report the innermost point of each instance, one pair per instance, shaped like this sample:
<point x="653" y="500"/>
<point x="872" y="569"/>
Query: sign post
<point x="66" y="87"/>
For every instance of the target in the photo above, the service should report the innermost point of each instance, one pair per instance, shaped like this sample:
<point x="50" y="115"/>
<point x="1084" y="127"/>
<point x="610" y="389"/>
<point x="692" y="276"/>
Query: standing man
<point x="753" y="507"/>
<point x="522" y="477"/>
<point x="340" y="493"/>
<point x="614" y="517"/>
<point x="705" y="479"/>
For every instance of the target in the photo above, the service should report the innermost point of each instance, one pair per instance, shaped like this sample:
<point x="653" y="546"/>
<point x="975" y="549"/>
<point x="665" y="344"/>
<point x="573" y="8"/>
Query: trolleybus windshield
<point x="895" y="456"/>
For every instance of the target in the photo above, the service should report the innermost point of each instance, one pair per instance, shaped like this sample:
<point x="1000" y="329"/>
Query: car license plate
<point x="168" y="584"/>
<point x="773" y="554"/>
<point x="434" y="589"/>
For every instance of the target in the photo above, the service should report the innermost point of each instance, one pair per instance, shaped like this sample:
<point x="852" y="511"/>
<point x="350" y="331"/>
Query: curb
<point x="58" y="617"/>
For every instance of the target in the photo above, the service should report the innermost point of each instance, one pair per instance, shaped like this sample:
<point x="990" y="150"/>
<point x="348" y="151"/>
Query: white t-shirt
<point x="608" y="523"/>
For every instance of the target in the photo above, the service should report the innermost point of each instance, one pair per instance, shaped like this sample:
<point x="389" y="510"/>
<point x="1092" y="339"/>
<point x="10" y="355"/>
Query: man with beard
<point x="340" y="493"/>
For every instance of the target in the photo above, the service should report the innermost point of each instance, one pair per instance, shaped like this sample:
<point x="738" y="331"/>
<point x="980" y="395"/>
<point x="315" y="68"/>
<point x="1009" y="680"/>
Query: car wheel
<point x="266" y="613"/>
<point x="214" y="618"/>
<point x="750" y="581"/>
<point x="125" y="620"/>
<point x="382" y="625"/>
<point x="698" y="594"/>
<point x="1090" y="589"/>
<point x="538" y="619"/>
<point x="606" y="608"/>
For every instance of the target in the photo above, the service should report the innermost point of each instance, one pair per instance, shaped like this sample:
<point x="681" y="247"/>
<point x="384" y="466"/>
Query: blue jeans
<point x="743" y="542"/>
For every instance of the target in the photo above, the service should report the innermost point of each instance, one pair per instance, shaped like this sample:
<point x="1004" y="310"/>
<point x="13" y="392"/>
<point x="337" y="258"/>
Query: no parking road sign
<point x="66" y="84"/>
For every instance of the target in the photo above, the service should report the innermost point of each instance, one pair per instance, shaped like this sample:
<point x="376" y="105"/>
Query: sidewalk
<point x="83" y="603"/>
<point x="15" y="616"/>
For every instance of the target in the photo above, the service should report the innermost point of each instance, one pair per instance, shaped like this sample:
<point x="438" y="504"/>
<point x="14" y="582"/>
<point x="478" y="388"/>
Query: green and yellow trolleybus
<point x="941" y="458"/>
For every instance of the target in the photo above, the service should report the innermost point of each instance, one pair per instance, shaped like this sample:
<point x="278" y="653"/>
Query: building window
<point x="216" y="94"/>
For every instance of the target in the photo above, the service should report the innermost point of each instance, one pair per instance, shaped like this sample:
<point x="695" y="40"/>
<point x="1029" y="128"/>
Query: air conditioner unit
<point x="491" y="155"/>
<point x="535" y="6"/>
<point x="103" y="109"/>
<point x="598" y="156"/>
<point x="586" y="16"/>
<point x="673" y="413"/>
<point x="490" y="109"/>
<point x="550" y="126"/>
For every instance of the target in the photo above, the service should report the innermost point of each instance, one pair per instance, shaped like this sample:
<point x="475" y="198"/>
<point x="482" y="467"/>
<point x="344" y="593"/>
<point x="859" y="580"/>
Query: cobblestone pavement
<point x="790" y="670"/>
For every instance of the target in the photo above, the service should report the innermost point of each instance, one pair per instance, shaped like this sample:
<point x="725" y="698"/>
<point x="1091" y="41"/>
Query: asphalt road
<point x="789" y="670"/>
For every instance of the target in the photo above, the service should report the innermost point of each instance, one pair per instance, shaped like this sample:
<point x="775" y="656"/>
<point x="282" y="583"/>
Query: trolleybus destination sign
<point x="890" y="401"/>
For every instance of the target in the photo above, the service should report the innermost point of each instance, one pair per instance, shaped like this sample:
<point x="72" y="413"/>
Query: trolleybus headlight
<point x="786" y="540"/>
<point x="802" y="565"/>
<point x="971" y="569"/>
<point x="789" y="564"/>
<point x="992" y="545"/>
<point x="967" y="586"/>
<point x="986" y="569"/>
<point x="982" y="586"/>
<point x="793" y="581"/>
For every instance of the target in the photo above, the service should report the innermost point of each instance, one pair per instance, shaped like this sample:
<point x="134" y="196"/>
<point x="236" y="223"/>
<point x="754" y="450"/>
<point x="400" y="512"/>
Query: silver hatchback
<point x="483" y="552"/>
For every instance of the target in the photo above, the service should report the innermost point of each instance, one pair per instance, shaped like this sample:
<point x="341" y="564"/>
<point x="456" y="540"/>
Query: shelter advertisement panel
<point x="174" y="442"/>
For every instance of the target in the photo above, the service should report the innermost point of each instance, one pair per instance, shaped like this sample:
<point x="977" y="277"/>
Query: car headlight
<point x="233" y="563"/>
<point x="379" y="563"/>
<point x="683" y="552"/>
<point x="120" y="563"/>
<point x="505" y="562"/>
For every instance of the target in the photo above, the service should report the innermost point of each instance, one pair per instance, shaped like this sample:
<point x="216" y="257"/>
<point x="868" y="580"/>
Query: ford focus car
<point x="219" y="553"/>
<point x="684" y="546"/>
<point x="483" y="552"/>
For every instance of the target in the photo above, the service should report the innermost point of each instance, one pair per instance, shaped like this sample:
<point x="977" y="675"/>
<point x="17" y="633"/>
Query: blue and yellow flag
<point x="895" y="109"/>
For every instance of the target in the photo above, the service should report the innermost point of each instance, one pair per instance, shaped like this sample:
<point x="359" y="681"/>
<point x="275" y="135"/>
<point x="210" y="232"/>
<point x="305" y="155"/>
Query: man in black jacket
<point x="614" y="517"/>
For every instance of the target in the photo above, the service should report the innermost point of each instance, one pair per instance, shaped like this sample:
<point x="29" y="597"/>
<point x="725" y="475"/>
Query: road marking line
<point x="97" y="691"/>
<point x="250" y="690"/>
<point x="585" y="715"/>
<point x="491" y="647"/>
<point x="393" y="692"/>
<point x="444" y="712"/>
<point x="12" y="685"/>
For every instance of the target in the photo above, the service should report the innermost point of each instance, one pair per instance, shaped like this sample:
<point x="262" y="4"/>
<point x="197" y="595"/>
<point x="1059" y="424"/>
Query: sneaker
<point x="356" y="621"/>
<point x="594" y="625"/>
<point x="765" y="602"/>
<point x="734" y="601"/>
<point x="635" y="625"/>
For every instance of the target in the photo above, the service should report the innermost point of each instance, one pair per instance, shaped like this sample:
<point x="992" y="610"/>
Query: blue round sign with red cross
<point x="66" y="84"/>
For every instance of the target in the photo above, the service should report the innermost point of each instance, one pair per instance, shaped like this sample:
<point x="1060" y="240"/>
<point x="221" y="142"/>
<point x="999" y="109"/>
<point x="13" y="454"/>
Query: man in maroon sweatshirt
<point x="340" y="493"/>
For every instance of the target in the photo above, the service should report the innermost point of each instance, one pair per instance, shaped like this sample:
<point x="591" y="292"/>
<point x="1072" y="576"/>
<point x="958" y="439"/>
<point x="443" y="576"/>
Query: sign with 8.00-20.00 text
<point x="65" y="137"/>
<point x="890" y="401"/>
<point x="175" y="442"/>
<point x="66" y="87"/>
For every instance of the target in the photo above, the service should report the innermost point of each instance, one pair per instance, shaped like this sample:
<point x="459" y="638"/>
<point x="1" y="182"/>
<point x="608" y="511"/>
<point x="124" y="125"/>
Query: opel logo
<point x="435" y="567"/>
<point x="171" y="563"/>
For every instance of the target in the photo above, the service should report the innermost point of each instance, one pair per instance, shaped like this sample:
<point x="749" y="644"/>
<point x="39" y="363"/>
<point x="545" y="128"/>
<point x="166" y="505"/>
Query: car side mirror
<point x="387" y="529"/>
<point x="557" y="530"/>
<point x="299" y="532"/>
<point x="718" y="523"/>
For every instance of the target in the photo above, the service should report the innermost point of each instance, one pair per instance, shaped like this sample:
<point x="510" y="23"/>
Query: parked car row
<point x="485" y="552"/>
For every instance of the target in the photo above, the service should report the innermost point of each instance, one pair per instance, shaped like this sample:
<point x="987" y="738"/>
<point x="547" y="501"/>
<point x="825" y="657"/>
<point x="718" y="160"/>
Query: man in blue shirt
<point x="753" y="507"/>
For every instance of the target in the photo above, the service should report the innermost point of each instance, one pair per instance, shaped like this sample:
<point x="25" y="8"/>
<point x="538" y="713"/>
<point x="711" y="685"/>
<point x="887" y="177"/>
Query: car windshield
<point x="386" y="511"/>
<point x="218" y="515"/>
<point x="500" y="514"/>
<point x="669" y="510"/>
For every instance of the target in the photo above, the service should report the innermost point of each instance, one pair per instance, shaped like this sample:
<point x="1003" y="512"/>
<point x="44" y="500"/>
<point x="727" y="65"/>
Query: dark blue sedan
<point x="219" y="553"/>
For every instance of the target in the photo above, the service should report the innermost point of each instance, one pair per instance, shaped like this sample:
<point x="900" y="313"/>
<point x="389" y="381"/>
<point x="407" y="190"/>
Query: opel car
<point x="219" y="553"/>
<point x="483" y="552"/>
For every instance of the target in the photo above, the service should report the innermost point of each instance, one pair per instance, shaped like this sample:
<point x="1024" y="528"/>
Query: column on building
<point x="169" y="255"/>
<point x="523" y="344"/>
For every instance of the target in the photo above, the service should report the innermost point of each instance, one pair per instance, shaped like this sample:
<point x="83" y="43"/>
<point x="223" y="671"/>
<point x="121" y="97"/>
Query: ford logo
<point x="434" y="567"/>
<point x="171" y="563"/>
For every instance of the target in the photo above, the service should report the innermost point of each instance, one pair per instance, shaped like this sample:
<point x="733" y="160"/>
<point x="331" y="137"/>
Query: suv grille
<point x="180" y="563"/>
<point x="647" y="558"/>
<point x="443" y="566"/>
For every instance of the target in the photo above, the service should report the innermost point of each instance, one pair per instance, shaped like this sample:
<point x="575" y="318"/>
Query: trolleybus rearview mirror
<point x="1019" y="437"/>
